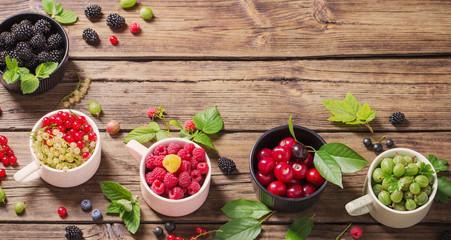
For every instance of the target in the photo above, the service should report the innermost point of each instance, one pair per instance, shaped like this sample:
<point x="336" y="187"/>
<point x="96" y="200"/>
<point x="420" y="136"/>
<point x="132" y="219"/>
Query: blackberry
<point x="24" y="50"/>
<point x="8" y="38"/>
<point x="14" y="27"/>
<point x="43" y="26"/>
<point x="32" y="63"/>
<point x="90" y="36"/>
<point x="55" y="41"/>
<point x="397" y="118"/>
<point x="23" y="32"/>
<point x="446" y="235"/>
<point x="44" y="57"/>
<point x="226" y="165"/>
<point x="38" y="42"/>
<point x="93" y="11"/>
<point x="25" y="22"/>
<point x="56" y="56"/>
<point x="73" y="233"/>
<point x="115" y="21"/>
<point x="3" y="55"/>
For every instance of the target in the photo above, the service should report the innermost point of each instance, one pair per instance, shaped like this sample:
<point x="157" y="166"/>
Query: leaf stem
<point x="269" y="215"/>
<point x="369" y="128"/>
<point x="346" y="229"/>
<point x="380" y="140"/>
<point x="205" y="233"/>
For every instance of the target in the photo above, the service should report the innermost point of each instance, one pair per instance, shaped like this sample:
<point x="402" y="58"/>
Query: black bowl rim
<point x="66" y="53"/>
<point x="251" y="164"/>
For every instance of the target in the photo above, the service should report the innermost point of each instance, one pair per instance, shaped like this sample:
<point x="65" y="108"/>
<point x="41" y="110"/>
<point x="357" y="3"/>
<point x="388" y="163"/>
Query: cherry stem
<point x="369" y="128"/>
<point x="346" y="229"/>
<point x="269" y="215"/>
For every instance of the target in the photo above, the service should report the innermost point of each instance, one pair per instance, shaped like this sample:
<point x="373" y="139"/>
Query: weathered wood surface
<point x="262" y="28"/>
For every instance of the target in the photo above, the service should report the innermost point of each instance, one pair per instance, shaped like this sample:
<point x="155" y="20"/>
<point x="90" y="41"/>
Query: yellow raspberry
<point x="172" y="162"/>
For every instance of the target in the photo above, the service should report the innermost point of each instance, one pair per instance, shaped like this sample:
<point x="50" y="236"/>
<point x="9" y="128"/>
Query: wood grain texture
<point x="262" y="28"/>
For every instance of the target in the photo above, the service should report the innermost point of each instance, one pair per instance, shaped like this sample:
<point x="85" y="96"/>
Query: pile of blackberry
<point x="31" y="44"/>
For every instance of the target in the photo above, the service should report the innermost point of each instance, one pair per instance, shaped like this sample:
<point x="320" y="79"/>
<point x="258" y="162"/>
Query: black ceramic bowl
<point x="54" y="78"/>
<point x="270" y="139"/>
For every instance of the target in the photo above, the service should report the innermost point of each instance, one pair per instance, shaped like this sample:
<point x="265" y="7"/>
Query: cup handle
<point x="359" y="206"/>
<point x="136" y="149"/>
<point x="28" y="173"/>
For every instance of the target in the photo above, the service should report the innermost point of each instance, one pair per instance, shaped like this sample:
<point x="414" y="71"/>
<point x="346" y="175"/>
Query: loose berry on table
<point x="19" y="207"/>
<point x="86" y="205"/>
<point x="113" y="40"/>
<point x="158" y="231"/>
<point x="356" y="232"/>
<point x="96" y="214"/>
<point x="190" y="125"/>
<point x="2" y="173"/>
<point x="377" y="147"/>
<point x="62" y="211"/>
<point x="367" y="142"/>
<point x="73" y="233"/>
<point x="169" y="226"/>
<point x="200" y="230"/>
<point x="389" y="143"/>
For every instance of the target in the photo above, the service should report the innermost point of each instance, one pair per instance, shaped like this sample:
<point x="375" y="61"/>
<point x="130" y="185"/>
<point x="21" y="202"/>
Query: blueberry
<point x="158" y="231"/>
<point x="377" y="147"/>
<point x="389" y="143"/>
<point x="96" y="214"/>
<point x="86" y="205"/>
<point x="367" y="142"/>
<point x="170" y="226"/>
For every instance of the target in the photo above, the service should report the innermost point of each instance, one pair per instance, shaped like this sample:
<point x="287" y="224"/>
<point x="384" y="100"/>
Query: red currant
<point x="87" y="128"/>
<point x="69" y="138"/>
<point x="2" y="154"/>
<point x="72" y="132"/>
<point x="2" y="172"/>
<point x="62" y="211"/>
<point x="113" y="40"/>
<point x="266" y="164"/>
<point x="281" y="154"/>
<point x="315" y="178"/>
<point x="46" y="122"/>
<point x="68" y="123"/>
<point x="65" y="116"/>
<point x="295" y="191"/>
<point x="3" y="140"/>
<point x="200" y="230"/>
<point x="59" y="121"/>
<point x="49" y="131"/>
<point x="81" y="120"/>
<point x="86" y="155"/>
<point x="265" y="179"/>
<point x="12" y="160"/>
<point x="72" y="117"/>
<point x="79" y="136"/>
<point x="300" y="170"/>
<point x="192" y="237"/>
<point x="5" y="148"/>
<point x="92" y="136"/>
<point x="52" y="119"/>
<point x="309" y="161"/>
<point x="287" y="142"/>
<point x="277" y="188"/>
<point x="283" y="172"/>
<point x="265" y="152"/>
<point x="178" y="238"/>
<point x="59" y="113"/>
<point x="308" y="189"/>
<point x="171" y="237"/>
<point x="80" y="144"/>
<point x="76" y="125"/>
<point x="62" y="129"/>
<point x="5" y="161"/>
<point x="10" y="153"/>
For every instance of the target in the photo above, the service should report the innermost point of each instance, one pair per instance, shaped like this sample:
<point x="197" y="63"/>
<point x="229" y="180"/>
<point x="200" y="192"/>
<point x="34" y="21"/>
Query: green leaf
<point x="115" y="191"/>
<point x="300" y="229"/>
<point x="175" y="123"/>
<point x="48" y="6"/>
<point x="29" y="83"/>
<point x="11" y="64"/>
<point x="444" y="190"/>
<point x="290" y="127"/>
<point x="141" y="134"/>
<point x="154" y="126"/>
<point x="425" y="169"/>
<point x="66" y="17"/>
<point x="208" y="121"/>
<point x="439" y="164"/>
<point x="45" y="69"/>
<point x="161" y="135"/>
<point x="328" y="167"/>
<point x="348" y="159"/>
<point x="127" y="204"/>
<point x="56" y="9"/>
<point x="203" y="139"/>
<point x="365" y="114"/>
<point x="22" y="71"/>
<point x="240" y="228"/>
<point x="114" y="207"/>
<point x="11" y="76"/>
<point x="245" y="208"/>
<point x="132" y="218"/>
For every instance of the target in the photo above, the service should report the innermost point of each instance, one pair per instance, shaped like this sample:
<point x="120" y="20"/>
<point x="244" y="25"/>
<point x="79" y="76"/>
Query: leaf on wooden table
<point x="240" y="208"/>
<point x="240" y="228"/>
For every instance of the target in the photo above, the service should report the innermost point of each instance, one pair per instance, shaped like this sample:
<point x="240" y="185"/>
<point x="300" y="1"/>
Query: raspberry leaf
<point x="240" y="228"/>
<point x="175" y="123"/>
<point x="115" y="191"/>
<point x="328" y="167"/>
<point x="439" y="164"/>
<point x="300" y="229"/>
<point x="141" y="134"/>
<point x="444" y="190"/>
<point x="209" y="121"/>
<point x="203" y="139"/>
<point x="161" y="135"/>
<point x="154" y="126"/>
<point x="240" y="208"/>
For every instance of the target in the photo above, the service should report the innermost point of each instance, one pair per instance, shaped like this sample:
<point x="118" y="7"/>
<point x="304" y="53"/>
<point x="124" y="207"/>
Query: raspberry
<point x="193" y="188"/>
<point x="189" y="147"/>
<point x="134" y="27"/>
<point x="176" y="193"/>
<point x="150" y="161"/>
<point x="184" y="154"/>
<point x="149" y="178"/>
<point x="199" y="154"/>
<point x="185" y="166"/>
<point x="172" y="162"/>
<point x="170" y="180"/>
<point x="190" y="126"/>
<point x="151" y="112"/>
<point x="174" y="148"/>
<point x="160" y="151"/>
<point x="158" y="173"/>
<point x="158" y="187"/>
<point x="158" y="161"/>
<point x="195" y="176"/>
<point x="356" y="232"/>
<point x="184" y="179"/>
<point x="202" y="167"/>
<point x="194" y="163"/>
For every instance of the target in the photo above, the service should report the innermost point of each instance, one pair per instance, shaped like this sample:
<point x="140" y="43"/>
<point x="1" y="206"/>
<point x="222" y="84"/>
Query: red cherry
<point x="315" y="178"/>
<point x="283" y="172"/>
<point x="287" y="142"/>
<point x="265" y="179"/>
<point x="266" y="164"/>
<point x="295" y="191"/>
<point x="113" y="40"/>
<point x="62" y="211"/>
<point x="294" y="181"/>
<point x="300" y="170"/>
<point x="277" y="188"/>
<point x="309" y="161"/>
<point x="281" y="154"/>
<point x="308" y="189"/>
<point x="2" y="172"/>
<point x="265" y="152"/>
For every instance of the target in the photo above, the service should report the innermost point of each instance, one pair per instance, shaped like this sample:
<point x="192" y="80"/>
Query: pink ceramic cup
<point x="166" y="206"/>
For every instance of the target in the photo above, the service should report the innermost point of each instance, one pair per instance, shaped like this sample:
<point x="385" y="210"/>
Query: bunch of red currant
<point x="287" y="170"/>
<point x="6" y="154"/>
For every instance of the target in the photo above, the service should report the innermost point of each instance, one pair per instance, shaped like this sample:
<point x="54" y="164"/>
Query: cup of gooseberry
<point x="68" y="165"/>
<point x="387" y="212"/>
<point x="271" y="139"/>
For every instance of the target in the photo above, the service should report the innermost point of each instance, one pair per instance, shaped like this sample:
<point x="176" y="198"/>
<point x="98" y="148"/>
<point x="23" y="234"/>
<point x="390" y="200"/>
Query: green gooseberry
<point x="430" y="178"/>
<point x="19" y="207"/>
<point x="378" y="175"/>
<point x="411" y="169"/>
<point x="2" y="195"/>
<point x="422" y="180"/>
<point x="408" y="195"/>
<point x="399" y="170"/>
<point x="146" y="13"/>
<point x="95" y="108"/>
<point x="428" y="190"/>
<point x="127" y="3"/>
<point x="406" y="181"/>
<point x="377" y="188"/>
<point x="401" y="206"/>
<point x="396" y="196"/>
<point x="411" y="204"/>
<point x="385" y="184"/>
<point x="384" y="198"/>
<point x="387" y="165"/>
<point x="399" y="159"/>
<point x="421" y="198"/>
<point x="408" y="159"/>
<point x="415" y="188"/>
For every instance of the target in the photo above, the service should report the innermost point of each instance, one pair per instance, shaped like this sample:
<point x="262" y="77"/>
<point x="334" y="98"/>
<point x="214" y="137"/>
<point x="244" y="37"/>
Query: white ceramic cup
<point x="166" y="206"/>
<point x="73" y="177"/>
<point x="383" y="214"/>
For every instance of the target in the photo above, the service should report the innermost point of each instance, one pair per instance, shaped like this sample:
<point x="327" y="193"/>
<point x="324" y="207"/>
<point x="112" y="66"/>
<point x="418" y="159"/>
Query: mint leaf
<point x="132" y="218"/>
<point x="290" y="127"/>
<point x="208" y="120"/>
<point x="300" y="229"/>
<point x="114" y="191"/>
<point x="203" y="139"/>
<point x="328" y="167"/>
<point x="425" y="169"/>
<point x="240" y="228"/>
<point x="141" y="134"/>
<point x="348" y="159"/>
<point x="48" y="6"/>
<point x="45" y="69"/>
<point x="22" y="71"/>
<point x="161" y="135"/>
<point x="439" y="164"/>
<point x="444" y="190"/>
<point x="126" y="204"/>
<point x="245" y="208"/>
<point x="66" y="17"/>
<point x="11" y="76"/>
<point x="154" y="126"/>
<point x="29" y="83"/>
<point x="11" y="64"/>
<point x="56" y="9"/>
<point x="114" y="207"/>
<point x="175" y="123"/>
